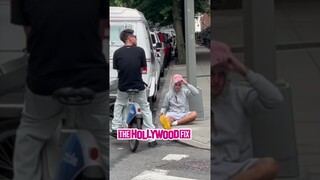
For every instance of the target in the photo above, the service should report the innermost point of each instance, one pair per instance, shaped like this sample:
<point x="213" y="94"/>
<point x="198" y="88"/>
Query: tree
<point x="178" y="21"/>
<point x="166" y="12"/>
<point x="125" y="3"/>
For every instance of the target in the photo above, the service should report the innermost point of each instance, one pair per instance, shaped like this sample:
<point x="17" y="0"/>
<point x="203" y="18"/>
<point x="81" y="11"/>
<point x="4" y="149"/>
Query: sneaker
<point x="165" y="123"/>
<point x="114" y="133"/>
<point x="152" y="143"/>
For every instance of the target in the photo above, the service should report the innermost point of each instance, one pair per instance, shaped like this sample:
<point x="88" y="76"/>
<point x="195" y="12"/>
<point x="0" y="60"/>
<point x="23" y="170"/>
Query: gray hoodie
<point x="178" y="101"/>
<point x="232" y="146"/>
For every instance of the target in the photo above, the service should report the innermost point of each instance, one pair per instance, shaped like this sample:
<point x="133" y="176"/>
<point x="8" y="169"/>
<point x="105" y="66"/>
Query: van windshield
<point x="115" y="31"/>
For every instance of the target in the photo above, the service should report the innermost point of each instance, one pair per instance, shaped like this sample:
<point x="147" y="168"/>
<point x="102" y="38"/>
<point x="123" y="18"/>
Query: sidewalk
<point x="296" y="22"/>
<point x="200" y="127"/>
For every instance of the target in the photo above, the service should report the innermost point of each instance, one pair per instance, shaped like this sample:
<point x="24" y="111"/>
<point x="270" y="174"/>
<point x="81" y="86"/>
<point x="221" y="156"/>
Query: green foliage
<point x="125" y="3"/>
<point x="157" y="12"/>
<point x="202" y="6"/>
<point x="160" y="11"/>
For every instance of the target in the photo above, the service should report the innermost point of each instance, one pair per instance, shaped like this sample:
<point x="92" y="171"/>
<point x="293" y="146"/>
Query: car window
<point x="157" y="39"/>
<point x="150" y="43"/>
<point x="153" y="39"/>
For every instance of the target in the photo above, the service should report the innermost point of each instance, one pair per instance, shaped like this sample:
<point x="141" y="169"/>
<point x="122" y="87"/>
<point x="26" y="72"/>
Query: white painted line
<point x="175" y="157"/>
<point x="120" y="148"/>
<point x="161" y="171"/>
<point x="154" y="175"/>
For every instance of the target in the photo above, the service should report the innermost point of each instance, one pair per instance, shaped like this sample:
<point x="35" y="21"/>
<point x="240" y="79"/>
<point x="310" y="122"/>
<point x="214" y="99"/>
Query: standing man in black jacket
<point x="64" y="40"/>
<point x="130" y="60"/>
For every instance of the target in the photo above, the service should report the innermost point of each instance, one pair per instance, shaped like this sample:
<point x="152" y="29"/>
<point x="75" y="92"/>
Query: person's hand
<point x="233" y="64"/>
<point x="221" y="54"/>
<point x="184" y="81"/>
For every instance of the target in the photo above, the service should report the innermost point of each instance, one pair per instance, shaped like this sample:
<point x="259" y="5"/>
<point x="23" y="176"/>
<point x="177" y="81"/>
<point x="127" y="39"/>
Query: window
<point x="153" y="39"/>
<point x="115" y="31"/>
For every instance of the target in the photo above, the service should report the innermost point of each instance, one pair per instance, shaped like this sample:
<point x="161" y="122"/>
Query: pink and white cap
<point x="219" y="52"/>
<point x="177" y="78"/>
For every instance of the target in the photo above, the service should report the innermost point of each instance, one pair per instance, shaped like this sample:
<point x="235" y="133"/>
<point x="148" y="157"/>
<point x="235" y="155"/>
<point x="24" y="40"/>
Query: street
<point x="152" y="163"/>
<point x="169" y="159"/>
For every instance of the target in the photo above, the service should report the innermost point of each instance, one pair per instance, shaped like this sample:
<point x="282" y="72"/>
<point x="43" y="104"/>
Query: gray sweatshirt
<point x="178" y="101"/>
<point x="232" y="146"/>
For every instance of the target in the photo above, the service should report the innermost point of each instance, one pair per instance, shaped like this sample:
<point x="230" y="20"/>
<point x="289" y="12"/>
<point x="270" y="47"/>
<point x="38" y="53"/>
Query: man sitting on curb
<point x="175" y="106"/>
<point x="232" y="105"/>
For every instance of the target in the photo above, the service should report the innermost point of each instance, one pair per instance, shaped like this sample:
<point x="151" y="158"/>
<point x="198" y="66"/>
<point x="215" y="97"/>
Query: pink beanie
<point x="177" y="78"/>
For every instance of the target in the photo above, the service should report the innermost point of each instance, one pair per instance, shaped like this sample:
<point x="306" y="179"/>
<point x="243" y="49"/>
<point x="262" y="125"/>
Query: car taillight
<point x="144" y="70"/>
<point x="94" y="153"/>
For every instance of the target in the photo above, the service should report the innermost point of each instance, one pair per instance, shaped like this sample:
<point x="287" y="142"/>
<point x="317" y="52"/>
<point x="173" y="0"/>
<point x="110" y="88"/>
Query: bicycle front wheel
<point x="139" y="123"/>
<point x="134" y="143"/>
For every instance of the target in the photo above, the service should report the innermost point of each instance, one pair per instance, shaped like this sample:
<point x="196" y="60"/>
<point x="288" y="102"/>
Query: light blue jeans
<point x="40" y="118"/>
<point x="121" y="102"/>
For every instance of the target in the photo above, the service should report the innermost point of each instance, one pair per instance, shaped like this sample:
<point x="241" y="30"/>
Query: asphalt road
<point x="168" y="160"/>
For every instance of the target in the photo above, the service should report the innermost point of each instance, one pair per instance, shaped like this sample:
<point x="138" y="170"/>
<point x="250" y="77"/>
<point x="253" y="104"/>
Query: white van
<point x="125" y="18"/>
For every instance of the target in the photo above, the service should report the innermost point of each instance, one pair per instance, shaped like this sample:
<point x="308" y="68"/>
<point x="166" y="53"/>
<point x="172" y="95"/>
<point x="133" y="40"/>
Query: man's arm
<point x="19" y="17"/>
<point x="115" y="57"/>
<point x="191" y="89"/>
<point x="104" y="12"/>
<point x="102" y="28"/>
<point x="143" y="60"/>
<point x="262" y="90"/>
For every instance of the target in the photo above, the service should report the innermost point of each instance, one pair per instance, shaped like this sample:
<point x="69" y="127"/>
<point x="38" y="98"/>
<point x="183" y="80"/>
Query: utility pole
<point x="268" y="127"/>
<point x="196" y="103"/>
<point x="190" y="42"/>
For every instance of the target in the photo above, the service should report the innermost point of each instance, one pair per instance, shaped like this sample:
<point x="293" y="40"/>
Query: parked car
<point x="125" y="18"/>
<point x="159" y="49"/>
<point x="171" y="34"/>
